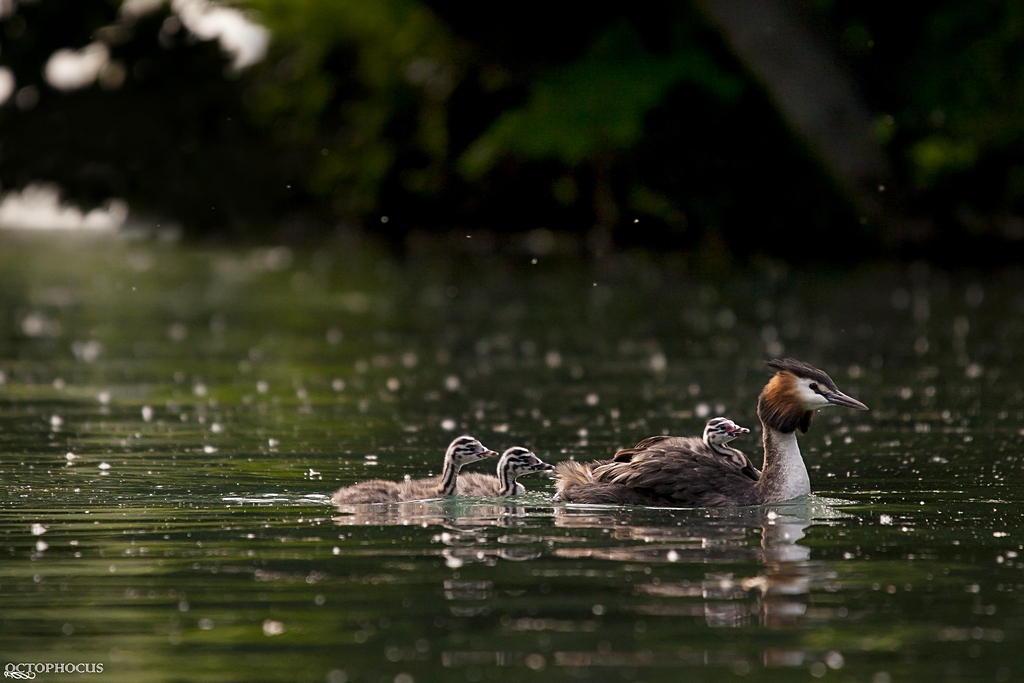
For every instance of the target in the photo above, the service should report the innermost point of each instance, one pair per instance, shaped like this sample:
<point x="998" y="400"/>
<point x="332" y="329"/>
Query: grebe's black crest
<point x="802" y="369"/>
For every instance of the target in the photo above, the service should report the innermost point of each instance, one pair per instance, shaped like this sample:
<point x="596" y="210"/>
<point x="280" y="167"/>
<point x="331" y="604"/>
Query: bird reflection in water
<point x="775" y="596"/>
<point x="758" y="572"/>
<point x="466" y="527"/>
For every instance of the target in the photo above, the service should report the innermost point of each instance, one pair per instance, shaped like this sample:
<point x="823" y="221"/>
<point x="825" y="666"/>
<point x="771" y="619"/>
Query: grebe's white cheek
<point x="810" y="399"/>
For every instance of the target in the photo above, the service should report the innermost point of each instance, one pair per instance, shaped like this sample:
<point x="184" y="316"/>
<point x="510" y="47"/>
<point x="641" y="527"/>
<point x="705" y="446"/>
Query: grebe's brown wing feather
<point x="626" y="454"/>
<point x="679" y="471"/>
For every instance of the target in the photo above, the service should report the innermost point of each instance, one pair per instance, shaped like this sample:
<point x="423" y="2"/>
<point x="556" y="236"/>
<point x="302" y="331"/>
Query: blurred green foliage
<point x="510" y="117"/>
<point x="355" y="88"/>
<point x="595" y="104"/>
<point x="951" y="78"/>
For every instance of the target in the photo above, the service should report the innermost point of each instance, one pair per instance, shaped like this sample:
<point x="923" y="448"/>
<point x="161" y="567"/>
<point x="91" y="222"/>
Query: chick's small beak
<point x="489" y="454"/>
<point x="544" y="467"/>
<point x="838" y="398"/>
<point x="739" y="430"/>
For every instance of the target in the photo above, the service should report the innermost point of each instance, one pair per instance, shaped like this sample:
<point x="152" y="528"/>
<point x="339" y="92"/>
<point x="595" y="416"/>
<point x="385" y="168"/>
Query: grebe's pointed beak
<point x="838" y="398"/>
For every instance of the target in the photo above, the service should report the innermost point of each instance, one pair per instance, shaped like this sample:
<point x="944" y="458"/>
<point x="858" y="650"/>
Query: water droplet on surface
<point x="658" y="362"/>
<point x="273" y="628"/>
<point x="593" y="399"/>
<point x="147" y="413"/>
<point x="448" y="424"/>
<point x="88" y="351"/>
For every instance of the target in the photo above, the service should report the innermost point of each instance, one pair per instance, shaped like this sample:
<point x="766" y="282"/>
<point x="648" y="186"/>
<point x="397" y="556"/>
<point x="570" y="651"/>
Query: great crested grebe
<point x="684" y="472"/>
<point x="461" y="451"/>
<point x="514" y="463"/>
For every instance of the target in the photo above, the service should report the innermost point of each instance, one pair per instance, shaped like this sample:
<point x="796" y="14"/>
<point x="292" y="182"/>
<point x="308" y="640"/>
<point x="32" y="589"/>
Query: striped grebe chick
<point x="514" y="463"/>
<point x="718" y="432"/>
<point x="685" y="472"/>
<point x="461" y="451"/>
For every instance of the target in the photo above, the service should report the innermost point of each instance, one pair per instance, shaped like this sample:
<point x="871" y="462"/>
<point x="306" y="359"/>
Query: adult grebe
<point x="685" y="472"/>
<point x="461" y="451"/>
<point x="514" y="463"/>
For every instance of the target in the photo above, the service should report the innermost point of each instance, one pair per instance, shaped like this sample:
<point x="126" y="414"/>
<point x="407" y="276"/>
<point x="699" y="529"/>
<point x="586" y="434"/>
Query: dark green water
<point x="173" y="420"/>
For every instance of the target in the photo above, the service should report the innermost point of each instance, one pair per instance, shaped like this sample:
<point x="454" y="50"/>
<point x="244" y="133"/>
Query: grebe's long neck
<point x="448" y="477"/>
<point x="506" y="481"/>
<point x="785" y="474"/>
<point x="722" y="449"/>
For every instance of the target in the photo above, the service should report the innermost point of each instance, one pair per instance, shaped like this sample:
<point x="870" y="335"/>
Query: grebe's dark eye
<point x="814" y="386"/>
